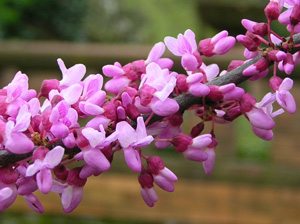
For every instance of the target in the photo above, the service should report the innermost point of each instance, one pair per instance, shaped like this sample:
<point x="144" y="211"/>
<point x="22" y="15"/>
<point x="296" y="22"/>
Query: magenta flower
<point x="63" y="117"/>
<point x="8" y="188"/>
<point x="185" y="46"/>
<point x="92" y="97"/>
<point x="162" y="176"/>
<point x="71" y="191"/>
<point x="34" y="203"/>
<point x="71" y="75"/>
<point x="283" y="96"/>
<point x="220" y="44"/>
<point x="16" y="141"/>
<point x="156" y="86"/>
<point x="131" y="140"/>
<point x="91" y="142"/>
<point x="192" y="148"/>
<point x="147" y="189"/>
<point x="260" y="114"/>
<point x="43" y="165"/>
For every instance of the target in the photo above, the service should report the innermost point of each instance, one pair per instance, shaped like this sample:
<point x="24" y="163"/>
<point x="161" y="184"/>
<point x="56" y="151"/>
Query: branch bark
<point x="184" y="100"/>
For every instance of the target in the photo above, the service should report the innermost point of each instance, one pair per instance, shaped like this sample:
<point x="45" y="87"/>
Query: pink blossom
<point x="185" y="46"/>
<point x="33" y="202"/>
<point x="71" y="192"/>
<point x="283" y="95"/>
<point x="91" y="142"/>
<point x="147" y="189"/>
<point x="131" y="139"/>
<point x="192" y="148"/>
<point x="43" y="165"/>
<point x="260" y="29"/>
<point x="71" y="75"/>
<point x="162" y="176"/>
<point x="159" y="84"/>
<point x="220" y="44"/>
<point x="16" y="141"/>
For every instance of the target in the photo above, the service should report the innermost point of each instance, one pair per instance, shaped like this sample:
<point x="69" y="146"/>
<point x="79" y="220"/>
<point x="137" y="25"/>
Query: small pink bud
<point x="275" y="82"/>
<point x="214" y="93"/>
<point x="47" y="86"/>
<point x="181" y="142"/>
<point x="155" y="164"/>
<point x="272" y="10"/>
<point x="295" y="15"/>
<point x="261" y="65"/>
<point x="197" y="129"/>
<point x="145" y="179"/>
<point x="176" y="119"/>
<point x="8" y="175"/>
<point x="247" y="42"/>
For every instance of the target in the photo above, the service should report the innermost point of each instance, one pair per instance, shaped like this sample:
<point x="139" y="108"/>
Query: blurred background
<point x="253" y="181"/>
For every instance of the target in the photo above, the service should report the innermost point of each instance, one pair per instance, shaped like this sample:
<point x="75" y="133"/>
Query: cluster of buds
<point x="57" y="153"/>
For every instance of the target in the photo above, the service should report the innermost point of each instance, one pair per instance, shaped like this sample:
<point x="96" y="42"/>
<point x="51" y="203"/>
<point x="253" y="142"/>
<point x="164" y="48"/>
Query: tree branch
<point x="185" y="101"/>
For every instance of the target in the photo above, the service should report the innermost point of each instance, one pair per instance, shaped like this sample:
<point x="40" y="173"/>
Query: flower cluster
<point x="138" y="106"/>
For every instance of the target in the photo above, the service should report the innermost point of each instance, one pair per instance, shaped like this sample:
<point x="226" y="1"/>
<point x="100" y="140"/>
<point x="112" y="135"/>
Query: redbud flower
<point x="159" y="84"/>
<point x="260" y="29"/>
<point x="186" y="47"/>
<point x="162" y="176"/>
<point x="16" y="141"/>
<point x="147" y="189"/>
<point x="283" y="96"/>
<point x="192" y="148"/>
<point x="43" y="166"/>
<point x="131" y="139"/>
<point x="71" y="75"/>
<point x="8" y="188"/>
<point x="273" y="9"/>
<point x="220" y="44"/>
<point x="261" y="66"/>
<point x="71" y="192"/>
<point x="34" y="203"/>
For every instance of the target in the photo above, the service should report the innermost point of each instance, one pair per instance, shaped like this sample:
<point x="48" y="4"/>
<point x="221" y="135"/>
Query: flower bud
<point x="275" y="82"/>
<point x="197" y="129"/>
<point x="181" y="142"/>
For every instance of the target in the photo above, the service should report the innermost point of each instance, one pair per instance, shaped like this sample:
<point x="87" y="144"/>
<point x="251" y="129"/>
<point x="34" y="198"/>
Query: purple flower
<point x="91" y="143"/>
<point x="192" y="148"/>
<point x="63" y="117"/>
<point x="131" y="140"/>
<point x="33" y="202"/>
<point x="155" y="56"/>
<point x="92" y="97"/>
<point x="162" y="176"/>
<point x="147" y="189"/>
<point x="283" y="96"/>
<point x="15" y="140"/>
<point x="156" y="86"/>
<point x="71" y="191"/>
<point x="71" y="75"/>
<point x="42" y="167"/>
<point x="185" y="46"/>
<point x="220" y="44"/>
